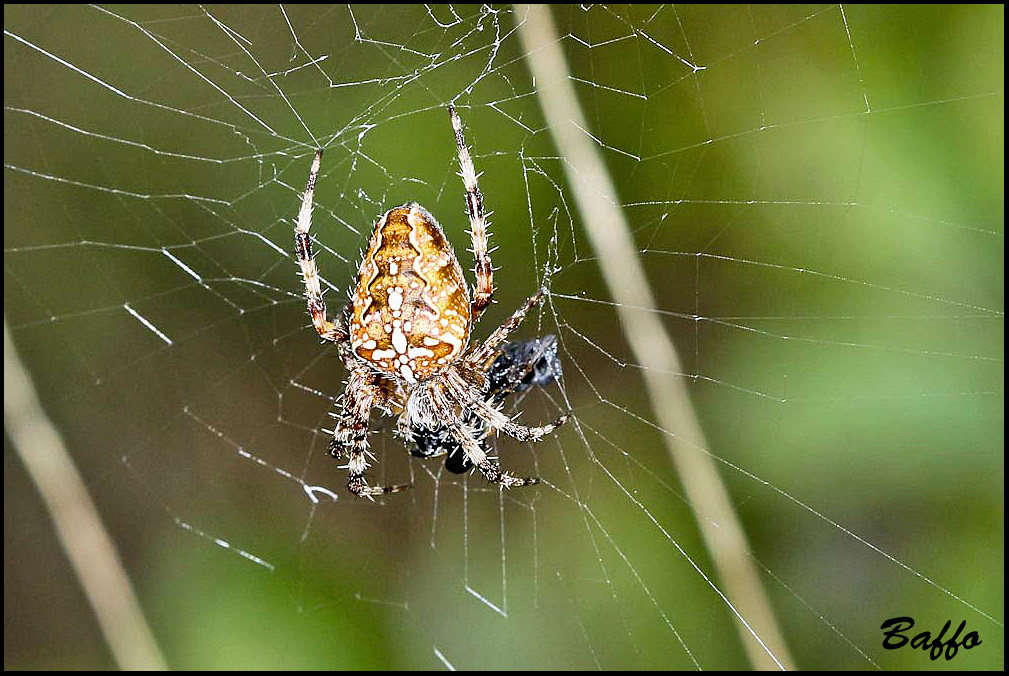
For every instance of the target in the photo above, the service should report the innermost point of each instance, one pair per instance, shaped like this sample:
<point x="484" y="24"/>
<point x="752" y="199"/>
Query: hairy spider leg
<point x="472" y="400"/>
<point x="479" y="354"/>
<point x="490" y="470"/>
<point x="326" y="329"/>
<point x="477" y="222"/>
<point x="351" y="434"/>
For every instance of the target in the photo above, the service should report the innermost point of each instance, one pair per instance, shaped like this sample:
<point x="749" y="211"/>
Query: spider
<point x="518" y="367"/>
<point x="406" y="339"/>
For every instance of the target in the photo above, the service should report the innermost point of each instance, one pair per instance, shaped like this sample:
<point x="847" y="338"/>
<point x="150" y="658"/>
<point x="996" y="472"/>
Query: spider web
<point x="816" y="195"/>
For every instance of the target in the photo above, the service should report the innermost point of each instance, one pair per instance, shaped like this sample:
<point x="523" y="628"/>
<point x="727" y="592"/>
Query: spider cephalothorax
<point x="406" y="342"/>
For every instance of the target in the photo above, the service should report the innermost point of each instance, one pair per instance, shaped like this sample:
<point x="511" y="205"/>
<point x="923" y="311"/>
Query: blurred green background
<point x="818" y="200"/>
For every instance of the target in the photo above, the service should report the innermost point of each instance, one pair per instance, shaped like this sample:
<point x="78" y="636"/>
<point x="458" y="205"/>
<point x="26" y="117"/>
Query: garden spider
<point x="406" y="341"/>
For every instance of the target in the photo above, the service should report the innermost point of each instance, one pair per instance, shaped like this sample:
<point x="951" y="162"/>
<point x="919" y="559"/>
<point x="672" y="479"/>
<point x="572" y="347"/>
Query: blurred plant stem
<point x="609" y="233"/>
<point x="79" y="527"/>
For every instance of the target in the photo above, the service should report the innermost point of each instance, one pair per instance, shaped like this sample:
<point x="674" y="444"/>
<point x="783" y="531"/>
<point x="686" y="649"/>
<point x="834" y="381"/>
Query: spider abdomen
<point x="411" y="309"/>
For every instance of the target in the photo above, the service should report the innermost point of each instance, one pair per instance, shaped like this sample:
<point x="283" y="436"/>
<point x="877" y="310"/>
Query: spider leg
<point x="350" y="434"/>
<point x="472" y="401"/>
<point x="482" y="352"/>
<point x="303" y="248"/>
<point x="477" y="455"/>
<point x="477" y="222"/>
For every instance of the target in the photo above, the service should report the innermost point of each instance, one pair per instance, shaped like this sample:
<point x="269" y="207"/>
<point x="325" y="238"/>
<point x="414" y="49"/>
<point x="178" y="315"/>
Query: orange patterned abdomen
<point x="411" y="315"/>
